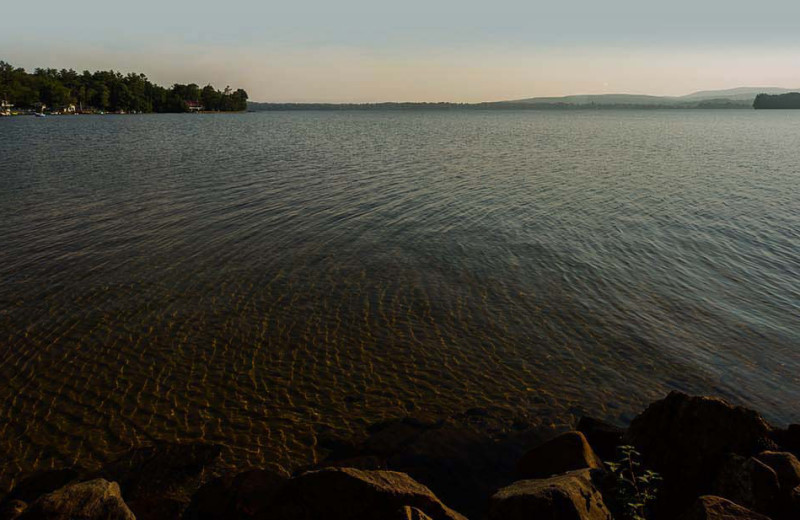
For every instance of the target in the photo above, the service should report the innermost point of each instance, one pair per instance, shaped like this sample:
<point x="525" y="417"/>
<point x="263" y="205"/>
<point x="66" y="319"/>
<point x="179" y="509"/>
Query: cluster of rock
<point x="330" y="493"/>
<point x="718" y="462"/>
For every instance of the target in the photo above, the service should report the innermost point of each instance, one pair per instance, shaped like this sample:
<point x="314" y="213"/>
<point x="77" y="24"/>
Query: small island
<point x="778" y="101"/>
<point x="69" y="92"/>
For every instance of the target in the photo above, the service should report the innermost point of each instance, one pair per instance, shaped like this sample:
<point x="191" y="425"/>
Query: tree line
<point x="790" y="100"/>
<point x="110" y="91"/>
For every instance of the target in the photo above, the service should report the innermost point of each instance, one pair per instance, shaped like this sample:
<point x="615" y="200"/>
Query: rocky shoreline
<point x="684" y="457"/>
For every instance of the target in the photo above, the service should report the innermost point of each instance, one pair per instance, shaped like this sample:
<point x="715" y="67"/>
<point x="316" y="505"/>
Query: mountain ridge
<point x="737" y="94"/>
<point x="738" y="97"/>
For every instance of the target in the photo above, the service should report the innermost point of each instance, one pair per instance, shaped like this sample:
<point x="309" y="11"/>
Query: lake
<point x="256" y="279"/>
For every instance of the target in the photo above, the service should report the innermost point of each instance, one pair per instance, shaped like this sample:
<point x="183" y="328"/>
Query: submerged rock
<point x="32" y="487"/>
<point x="96" y="499"/>
<point x="709" y="507"/>
<point x="566" y="452"/>
<point x="463" y="459"/>
<point x="243" y="496"/>
<point x="353" y="494"/>
<point x="158" y="481"/>
<point x="686" y="439"/>
<point x="571" y="496"/>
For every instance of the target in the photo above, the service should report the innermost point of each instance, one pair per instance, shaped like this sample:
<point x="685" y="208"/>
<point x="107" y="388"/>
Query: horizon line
<point x="618" y="93"/>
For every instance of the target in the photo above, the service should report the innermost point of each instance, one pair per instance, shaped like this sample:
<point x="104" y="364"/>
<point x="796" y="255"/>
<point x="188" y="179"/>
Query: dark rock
<point x="158" y="481"/>
<point x="788" y="439"/>
<point x="460" y="462"/>
<point x="686" y="438"/>
<point x="604" y="438"/>
<point x="463" y="459"/>
<point x="748" y="482"/>
<point x="245" y="495"/>
<point x="787" y="469"/>
<point x="571" y="496"/>
<point x="566" y="452"/>
<point x="710" y="507"/>
<point x="93" y="500"/>
<point x="158" y="508"/>
<point x="12" y="509"/>
<point x="352" y="494"/>
<point x="785" y="465"/>
<point x="42" y="482"/>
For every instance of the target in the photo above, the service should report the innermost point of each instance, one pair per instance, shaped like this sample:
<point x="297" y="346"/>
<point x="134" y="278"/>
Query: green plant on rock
<point x="634" y="487"/>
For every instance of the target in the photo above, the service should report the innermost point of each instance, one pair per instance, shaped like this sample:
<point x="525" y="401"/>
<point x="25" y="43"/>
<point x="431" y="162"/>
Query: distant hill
<point x="595" y="99"/>
<point x="739" y="94"/>
<point x="739" y="98"/>
<point x="742" y="96"/>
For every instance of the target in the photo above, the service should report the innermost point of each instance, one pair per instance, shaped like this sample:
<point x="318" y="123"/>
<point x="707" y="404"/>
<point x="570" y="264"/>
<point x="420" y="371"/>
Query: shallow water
<point x="254" y="279"/>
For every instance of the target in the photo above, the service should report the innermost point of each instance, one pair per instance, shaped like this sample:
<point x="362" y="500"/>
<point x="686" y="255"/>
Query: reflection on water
<point x="254" y="279"/>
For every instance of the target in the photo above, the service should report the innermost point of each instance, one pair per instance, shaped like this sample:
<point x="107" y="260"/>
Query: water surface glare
<point x="255" y="279"/>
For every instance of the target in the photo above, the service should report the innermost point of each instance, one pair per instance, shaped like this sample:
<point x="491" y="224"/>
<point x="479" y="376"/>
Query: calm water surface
<point x="255" y="279"/>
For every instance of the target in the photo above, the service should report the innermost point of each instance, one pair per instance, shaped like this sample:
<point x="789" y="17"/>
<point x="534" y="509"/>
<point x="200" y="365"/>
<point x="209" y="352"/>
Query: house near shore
<point x="66" y="109"/>
<point x="5" y="108"/>
<point x="194" y="106"/>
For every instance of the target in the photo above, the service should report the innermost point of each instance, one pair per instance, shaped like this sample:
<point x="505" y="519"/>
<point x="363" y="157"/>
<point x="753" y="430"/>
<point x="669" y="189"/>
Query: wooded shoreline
<point x="66" y="91"/>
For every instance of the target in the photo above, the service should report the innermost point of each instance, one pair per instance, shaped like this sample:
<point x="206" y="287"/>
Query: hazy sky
<point x="417" y="50"/>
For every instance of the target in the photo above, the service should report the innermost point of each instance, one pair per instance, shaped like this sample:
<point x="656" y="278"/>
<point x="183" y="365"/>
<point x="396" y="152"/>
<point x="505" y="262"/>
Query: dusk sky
<point x="414" y="50"/>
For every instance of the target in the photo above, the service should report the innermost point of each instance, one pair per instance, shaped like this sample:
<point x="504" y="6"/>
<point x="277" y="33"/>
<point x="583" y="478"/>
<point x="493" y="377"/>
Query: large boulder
<point x="242" y="496"/>
<point x="353" y="494"/>
<point x="686" y="439"/>
<point x="787" y="468"/>
<point x="566" y="452"/>
<point x="158" y="481"/>
<point x="785" y="465"/>
<point x="748" y="482"/>
<point x="710" y="507"/>
<point x="96" y="499"/>
<point x="571" y="496"/>
<point x="603" y="437"/>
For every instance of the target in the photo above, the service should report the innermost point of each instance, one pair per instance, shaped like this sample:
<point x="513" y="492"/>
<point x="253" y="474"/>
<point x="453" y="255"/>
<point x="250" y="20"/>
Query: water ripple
<point x="254" y="279"/>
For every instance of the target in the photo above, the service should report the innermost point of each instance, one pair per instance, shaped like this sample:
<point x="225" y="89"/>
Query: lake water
<point x="254" y="279"/>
